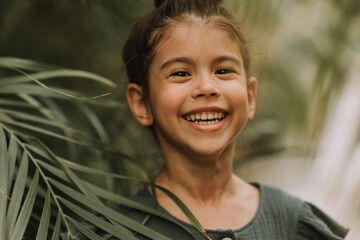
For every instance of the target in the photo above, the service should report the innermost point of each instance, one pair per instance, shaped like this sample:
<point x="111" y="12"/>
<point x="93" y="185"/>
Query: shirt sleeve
<point x="315" y="224"/>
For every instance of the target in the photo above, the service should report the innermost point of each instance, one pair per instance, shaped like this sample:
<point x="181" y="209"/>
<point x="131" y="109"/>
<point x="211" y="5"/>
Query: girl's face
<point x="198" y="95"/>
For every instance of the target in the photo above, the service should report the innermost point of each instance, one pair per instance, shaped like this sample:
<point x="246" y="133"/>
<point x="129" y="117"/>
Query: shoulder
<point x="278" y="212"/>
<point x="315" y="224"/>
<point x="279" y="203"/>
<point x="303" y="219"/>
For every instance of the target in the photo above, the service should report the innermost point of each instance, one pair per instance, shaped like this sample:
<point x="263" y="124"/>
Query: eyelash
<point x="180" y="74"/>
<point x="186" y="74"/>
<point x="224" y="71"/>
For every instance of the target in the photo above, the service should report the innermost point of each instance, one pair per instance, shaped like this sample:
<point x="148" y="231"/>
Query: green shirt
<point x="280" y="216"/>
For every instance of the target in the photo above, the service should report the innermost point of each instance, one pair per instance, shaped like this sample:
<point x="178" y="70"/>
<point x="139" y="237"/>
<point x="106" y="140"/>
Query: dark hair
<point x="139" y="49"/>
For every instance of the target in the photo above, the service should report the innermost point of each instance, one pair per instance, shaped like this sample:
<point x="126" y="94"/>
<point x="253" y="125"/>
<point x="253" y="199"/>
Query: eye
<point x="224" y="71"/>
<point x="180" y="74"/>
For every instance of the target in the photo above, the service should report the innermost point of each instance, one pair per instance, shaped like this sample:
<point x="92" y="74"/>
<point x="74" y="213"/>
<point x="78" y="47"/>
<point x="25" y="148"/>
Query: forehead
<point x="182" y="37"/>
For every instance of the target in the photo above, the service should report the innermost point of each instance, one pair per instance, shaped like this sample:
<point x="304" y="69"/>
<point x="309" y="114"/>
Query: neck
<point x="204" y="179"/>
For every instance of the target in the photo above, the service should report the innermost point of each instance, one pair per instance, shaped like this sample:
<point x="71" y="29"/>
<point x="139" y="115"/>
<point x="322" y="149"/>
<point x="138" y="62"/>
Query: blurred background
<point x="305" y="54"/>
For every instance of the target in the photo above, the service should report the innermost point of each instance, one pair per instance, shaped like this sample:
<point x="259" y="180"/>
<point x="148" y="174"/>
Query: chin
<point x="210" y="150"/>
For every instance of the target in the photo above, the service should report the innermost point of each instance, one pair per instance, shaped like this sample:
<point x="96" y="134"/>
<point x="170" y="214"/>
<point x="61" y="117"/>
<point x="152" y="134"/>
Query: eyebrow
<point x="176" y="60"/>
<point x="189" y="61"/>
<point x="228" y="58"/>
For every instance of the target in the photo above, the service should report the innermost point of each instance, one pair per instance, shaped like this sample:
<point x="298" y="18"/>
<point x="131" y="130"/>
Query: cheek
<point x="237" y="91"/>
<point x="239" y="102"/>
<point x="166" y="101"/>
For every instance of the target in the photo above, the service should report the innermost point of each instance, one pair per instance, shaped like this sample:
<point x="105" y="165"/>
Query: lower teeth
<point x="207" y="122"/>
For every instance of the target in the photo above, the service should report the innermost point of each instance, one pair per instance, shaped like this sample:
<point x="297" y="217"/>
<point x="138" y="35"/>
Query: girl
<point x="188" y="65"/>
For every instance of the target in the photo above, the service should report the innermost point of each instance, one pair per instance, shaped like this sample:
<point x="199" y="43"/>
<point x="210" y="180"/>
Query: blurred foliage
<point x="86" y="35"/>
<point x="42" y="193"/>
<point x="302" y="53"/>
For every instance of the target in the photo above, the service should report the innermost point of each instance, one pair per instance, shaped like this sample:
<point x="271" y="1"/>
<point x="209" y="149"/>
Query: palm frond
<point x="42" y="193"/>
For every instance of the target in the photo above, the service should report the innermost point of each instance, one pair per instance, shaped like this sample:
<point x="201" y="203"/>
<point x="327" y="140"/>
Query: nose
<point x="205" y="86"/>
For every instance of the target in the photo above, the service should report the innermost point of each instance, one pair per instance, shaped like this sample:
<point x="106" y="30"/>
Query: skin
<point x="198" y="68"/>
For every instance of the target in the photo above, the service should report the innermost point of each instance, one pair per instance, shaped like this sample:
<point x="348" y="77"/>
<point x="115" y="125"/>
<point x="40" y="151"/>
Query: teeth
<point x="208" y="118"/>
<point x="207" y="122"/>
<point x="203" y="116"/>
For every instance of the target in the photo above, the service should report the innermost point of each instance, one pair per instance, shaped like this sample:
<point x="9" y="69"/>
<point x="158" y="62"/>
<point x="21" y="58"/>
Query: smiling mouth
<point x="205" y="118"/>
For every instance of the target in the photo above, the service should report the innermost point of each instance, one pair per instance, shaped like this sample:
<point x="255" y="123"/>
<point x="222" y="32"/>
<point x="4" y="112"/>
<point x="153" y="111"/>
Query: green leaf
<point x="109" y="213"/>
<point x="106" y="194"/>
<point x="3" y="182"/>
<point x="132" y="204"/>
<point x="121" y="233"/>
<point x="4" y="117"/>
<point x="25" y="64"/>
<point x="39" y="151"/>
<point x="40" y="130"/>
<point x="63" y="73"/>
<point x="36" y="90"/>
<point x="59" y="93"/>
<point x="88" y="170"/>
<point x="57" y="228"/>
<point x="11" y="158"/>
<point x="51" y="89"/>
<point x="87" y="232"/>
<point x="41" y="120"/>
<point x="75" y="166"/>
<point x="85" y="169"/>
<point x="17" y="193"/>
<point x="58" y="115"/>
<point x="74" y="179"/>
<point x="183" y="208"/>
<point x="48" y="112"/>
<point x="95" y="122"/>
<point x="15" y="103"/>
<point x="53" y="170"/>
<point x="26" y="209"/>
<point x="45" y="219"/>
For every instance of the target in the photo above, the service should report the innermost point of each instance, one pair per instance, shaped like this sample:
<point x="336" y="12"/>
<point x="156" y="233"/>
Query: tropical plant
<point x="41" y="192"/>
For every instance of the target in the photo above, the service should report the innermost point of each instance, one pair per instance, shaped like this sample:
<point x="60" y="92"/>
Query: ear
<point x="252" y="93"/>
<point x="138" y="104"/>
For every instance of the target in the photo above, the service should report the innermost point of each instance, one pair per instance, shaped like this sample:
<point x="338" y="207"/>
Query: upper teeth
<point x="205" y="116"/>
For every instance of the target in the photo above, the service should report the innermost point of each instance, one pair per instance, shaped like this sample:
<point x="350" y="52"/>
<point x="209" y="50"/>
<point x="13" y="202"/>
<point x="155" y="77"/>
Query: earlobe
<point x="138" y="104"/>
<point x="252" y="94"/>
